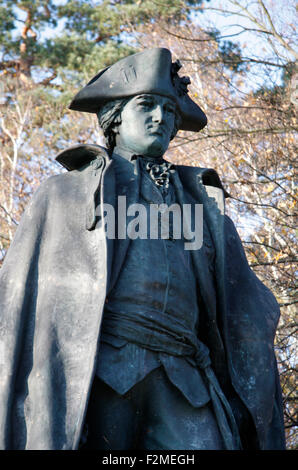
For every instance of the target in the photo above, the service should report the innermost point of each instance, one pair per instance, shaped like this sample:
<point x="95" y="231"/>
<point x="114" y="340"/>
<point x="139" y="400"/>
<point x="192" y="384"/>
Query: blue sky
<point x="253" y="45"/>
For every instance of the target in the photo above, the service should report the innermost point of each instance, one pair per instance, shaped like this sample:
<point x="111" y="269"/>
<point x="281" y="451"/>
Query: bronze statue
<point x="116" y="336"/>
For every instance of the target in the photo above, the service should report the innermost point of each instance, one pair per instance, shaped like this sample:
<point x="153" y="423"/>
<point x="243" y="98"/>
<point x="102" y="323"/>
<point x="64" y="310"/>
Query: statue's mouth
<point x="157" y="131"/>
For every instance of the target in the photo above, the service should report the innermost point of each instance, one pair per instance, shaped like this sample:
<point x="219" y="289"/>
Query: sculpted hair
<point x="109" y="118"/>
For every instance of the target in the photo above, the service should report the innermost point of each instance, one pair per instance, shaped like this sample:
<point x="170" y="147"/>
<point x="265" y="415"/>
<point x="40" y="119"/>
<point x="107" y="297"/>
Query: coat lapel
<point x="212" y="212"/>
<point x="212" y="200"/>
<point x="127" y="193"/>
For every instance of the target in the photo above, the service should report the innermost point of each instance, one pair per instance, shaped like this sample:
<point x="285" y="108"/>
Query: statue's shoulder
<point x="206" y="176"/>
<point x="78" y="156"/>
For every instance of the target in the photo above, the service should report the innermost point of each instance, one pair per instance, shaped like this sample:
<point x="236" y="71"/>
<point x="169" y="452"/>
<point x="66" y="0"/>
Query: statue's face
<point x="147" y="123"/>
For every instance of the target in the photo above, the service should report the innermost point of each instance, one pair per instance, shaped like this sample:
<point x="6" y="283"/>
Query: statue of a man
<point x="121" y="333"/>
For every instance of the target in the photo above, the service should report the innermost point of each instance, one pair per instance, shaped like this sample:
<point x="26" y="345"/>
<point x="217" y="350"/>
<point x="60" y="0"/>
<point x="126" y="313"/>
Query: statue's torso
<point x="157" y="290"/>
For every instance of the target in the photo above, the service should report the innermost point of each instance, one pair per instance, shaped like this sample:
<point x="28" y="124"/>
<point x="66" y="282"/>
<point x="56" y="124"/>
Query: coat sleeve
<point x="17" y="290"/>
<point x="52" y="293"/>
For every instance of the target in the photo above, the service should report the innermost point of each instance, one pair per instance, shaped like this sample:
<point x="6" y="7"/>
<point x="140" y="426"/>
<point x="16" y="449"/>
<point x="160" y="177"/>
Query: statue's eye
<point x="170" y="109"/>
<point x="146" y="104"/>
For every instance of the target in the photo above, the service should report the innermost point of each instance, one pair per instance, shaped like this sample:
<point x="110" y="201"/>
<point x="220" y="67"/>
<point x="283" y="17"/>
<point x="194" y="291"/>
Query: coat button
<point x="97" y="163"/>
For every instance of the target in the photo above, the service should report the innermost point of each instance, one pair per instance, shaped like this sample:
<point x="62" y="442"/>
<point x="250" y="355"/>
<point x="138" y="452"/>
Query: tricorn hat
<point x="150" y="71"/>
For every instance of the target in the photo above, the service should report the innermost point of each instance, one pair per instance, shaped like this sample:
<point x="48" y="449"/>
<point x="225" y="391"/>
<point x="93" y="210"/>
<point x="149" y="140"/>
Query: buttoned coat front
<point x="53" y="286"/>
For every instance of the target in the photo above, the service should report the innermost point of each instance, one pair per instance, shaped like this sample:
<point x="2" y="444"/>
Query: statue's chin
<point x="152" y="147"/>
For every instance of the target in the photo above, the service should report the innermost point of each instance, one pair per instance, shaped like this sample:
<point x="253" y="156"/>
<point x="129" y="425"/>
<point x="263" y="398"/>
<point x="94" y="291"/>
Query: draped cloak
<point x="53" y="286"/>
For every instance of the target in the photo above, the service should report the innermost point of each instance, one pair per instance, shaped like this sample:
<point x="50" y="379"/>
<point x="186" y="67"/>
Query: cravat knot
<point x="160" y="173"/>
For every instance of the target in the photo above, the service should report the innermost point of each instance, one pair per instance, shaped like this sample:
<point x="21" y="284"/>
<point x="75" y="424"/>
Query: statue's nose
<point x="158" y="113"/>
